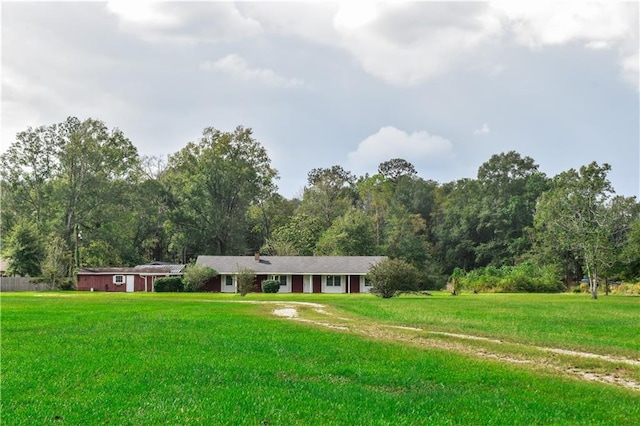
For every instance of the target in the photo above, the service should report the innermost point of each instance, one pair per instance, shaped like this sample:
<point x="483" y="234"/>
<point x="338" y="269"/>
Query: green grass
<point x="134" y="359"/>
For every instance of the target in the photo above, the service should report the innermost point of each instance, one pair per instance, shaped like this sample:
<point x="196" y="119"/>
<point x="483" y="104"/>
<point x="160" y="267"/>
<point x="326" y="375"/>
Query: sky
<point x="443" y="85"/>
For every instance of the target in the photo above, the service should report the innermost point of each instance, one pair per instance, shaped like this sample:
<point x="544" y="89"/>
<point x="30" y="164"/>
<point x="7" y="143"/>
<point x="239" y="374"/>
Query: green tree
<point x="576" y="215"/>
<point x="374" y="198"/>
<point x="24" y="250"/>
<point x="395" y="168"/>
<point x="329" y="195"/>
<point x="405" y="237"/>
<point x="455" y="224"/>
<point x="28" y="167"/>
<point x="57" y="265"/>
<point x="197" y="276"/>
<point x="212" y="184"/>
<point x="350" y="235"/>
<point x="296" y="238"/>
<point x="510" y="185"/>
<point x="630" y="254"/>
<point x="267" y="215"/>
<point x="390" y="277"/>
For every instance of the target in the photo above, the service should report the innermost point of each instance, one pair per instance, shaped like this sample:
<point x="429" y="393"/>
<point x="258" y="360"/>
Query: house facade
<point x="132" y="279"/>
<point x="297" y="274"/>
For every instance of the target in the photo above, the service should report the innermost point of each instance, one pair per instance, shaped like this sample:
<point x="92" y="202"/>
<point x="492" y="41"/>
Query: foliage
<point x="246" y="279"/>
<point x="626" y="288"/>
<point x="196" y="277"/>
<point x="168" y="284"/>
<point x="212" y="184"/>
<point x="270" y="286"/>
<point x="23" y="248"/>
<point x="395" y="168"/>
<point x="57" y="265"/>
<point x="296" y="238"/>
<point x="580" y="216"/>
<point x="390" y="277"/>
<point x="349" y="235"/>
<point x="524" y="277"/>
<point x="329" y="195"/>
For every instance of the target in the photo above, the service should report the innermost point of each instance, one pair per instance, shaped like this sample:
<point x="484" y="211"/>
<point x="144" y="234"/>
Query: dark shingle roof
<point x="289" y="265"/>
<point x="140" y="269"/>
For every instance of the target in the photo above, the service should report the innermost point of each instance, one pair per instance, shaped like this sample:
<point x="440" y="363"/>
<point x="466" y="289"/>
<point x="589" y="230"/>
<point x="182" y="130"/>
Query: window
<point x="366" y="282"/>
<point x="281" y="278"/>
<point x="118" y="279"/>
<point x="228" y="280"/>
<point x="334" y="280"/>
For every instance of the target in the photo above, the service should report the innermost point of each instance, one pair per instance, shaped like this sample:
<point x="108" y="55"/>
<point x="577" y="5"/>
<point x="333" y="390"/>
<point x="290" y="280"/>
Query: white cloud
<point x="174" y="22"/>
<point x="236" y="67"/>
<point x="542" y="23"/>
<point x="408" y="43"/>
<point x="419" y="148"/>
<point x="599" y="25"/>
<point x="482" y="130"/>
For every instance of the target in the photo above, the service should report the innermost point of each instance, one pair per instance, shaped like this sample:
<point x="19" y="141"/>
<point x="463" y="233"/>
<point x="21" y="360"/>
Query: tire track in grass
<point x="289" y="310"/>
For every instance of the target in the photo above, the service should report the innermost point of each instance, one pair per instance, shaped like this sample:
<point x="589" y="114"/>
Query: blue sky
<point x="443" y="85"/>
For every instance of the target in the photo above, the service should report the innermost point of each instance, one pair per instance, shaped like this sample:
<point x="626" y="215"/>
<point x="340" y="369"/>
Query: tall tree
<point x="576" y="215"/>
<point x="213" y="182"/>
<point x="24" y="250"/>
<point x="329" y="195"/>
<point x="395" y="168"/>
<point x="298" y="237"/>
<point x="374" y="198"/>
<point x="350" y="235"/>
<point x="510" y="185"/>
<point x="96" y="168"/>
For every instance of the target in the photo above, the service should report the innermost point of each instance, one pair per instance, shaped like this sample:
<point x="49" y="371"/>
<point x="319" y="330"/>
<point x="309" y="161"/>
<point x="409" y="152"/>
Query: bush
<point x="525" y="277"/>
<point x="246" y="281"/>
<point x="392" y="277"/>
<point x="197" y="276"/>
<point x="270" y="286"/>
<point x="168" y="284"/>
<point x="626" y="288"/>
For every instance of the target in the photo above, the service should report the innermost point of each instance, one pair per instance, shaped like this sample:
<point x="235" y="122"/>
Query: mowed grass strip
<point x="181" y="359"/>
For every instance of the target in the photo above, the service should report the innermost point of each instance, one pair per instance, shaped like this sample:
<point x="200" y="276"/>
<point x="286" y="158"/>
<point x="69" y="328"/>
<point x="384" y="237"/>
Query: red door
<point x="317" y="284"/>
<point x="296" y="284"/>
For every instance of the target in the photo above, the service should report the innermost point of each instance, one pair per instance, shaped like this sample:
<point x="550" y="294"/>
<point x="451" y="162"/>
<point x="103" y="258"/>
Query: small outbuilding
<point x="130" y="279"/>
<point x="297" y="274"/>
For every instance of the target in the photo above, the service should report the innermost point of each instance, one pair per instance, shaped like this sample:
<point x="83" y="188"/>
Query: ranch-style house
<point x="297" y="274"/>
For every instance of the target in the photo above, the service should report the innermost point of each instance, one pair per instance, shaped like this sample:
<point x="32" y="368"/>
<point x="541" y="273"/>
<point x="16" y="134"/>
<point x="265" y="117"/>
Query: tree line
<point x="78" y="194"/>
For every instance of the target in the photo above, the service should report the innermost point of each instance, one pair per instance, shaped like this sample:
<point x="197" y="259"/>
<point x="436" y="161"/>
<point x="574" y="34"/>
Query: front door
<point x="130" y="281"/>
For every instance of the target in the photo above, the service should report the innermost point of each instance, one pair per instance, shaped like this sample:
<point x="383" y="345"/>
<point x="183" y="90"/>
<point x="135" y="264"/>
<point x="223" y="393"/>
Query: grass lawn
<point x="138" y="359"/>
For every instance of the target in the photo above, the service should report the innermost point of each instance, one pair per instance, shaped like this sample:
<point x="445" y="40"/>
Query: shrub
<point x="246" y="281"/>
<point x="391" y="277"/>
<point x="168" y="284"/>
<point x="197" y="276"/>
<point x="525" y="277"/>
<point x="626" y="288"/>
<point x="270" y="286"/>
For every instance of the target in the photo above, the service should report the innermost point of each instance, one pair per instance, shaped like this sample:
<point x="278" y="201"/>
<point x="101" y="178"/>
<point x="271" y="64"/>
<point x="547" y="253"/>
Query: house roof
<point x="290" y="265"/>
<point x="136" y="270"/>
<point x="173" y="268"/>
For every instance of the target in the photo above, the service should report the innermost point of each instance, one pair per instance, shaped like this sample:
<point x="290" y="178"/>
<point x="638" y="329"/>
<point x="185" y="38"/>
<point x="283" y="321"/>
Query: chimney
<point x="256" y="256"/>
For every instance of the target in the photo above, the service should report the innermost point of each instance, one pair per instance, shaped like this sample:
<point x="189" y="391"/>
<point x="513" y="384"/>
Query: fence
<point x="20" y="284"/>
